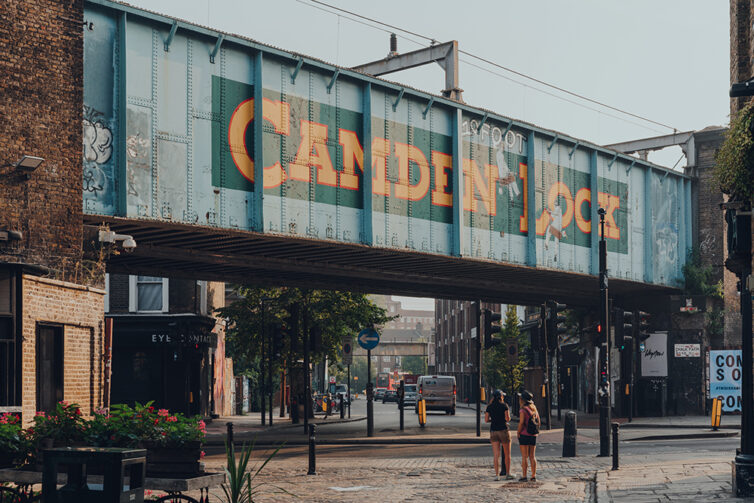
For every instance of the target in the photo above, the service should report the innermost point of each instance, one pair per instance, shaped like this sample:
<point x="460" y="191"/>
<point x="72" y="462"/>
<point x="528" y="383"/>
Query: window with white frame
<point x="148" y="294"/>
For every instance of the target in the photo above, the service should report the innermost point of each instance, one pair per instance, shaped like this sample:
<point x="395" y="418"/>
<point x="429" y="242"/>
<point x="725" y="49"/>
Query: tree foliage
<point x="698" y="277"/>
<point x="735" y="159"/>
<point x="286" y="310"/>
<point x="498" y="373"/>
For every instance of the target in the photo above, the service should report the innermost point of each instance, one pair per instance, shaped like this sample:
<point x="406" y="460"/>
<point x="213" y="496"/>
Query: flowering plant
<point x="12" y="440"/>
<point x="65" y="424"/>
<point x="127" y="426"/>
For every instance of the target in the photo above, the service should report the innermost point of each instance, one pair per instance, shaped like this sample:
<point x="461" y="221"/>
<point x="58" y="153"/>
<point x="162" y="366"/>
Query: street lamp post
<point x="604" y="388"/>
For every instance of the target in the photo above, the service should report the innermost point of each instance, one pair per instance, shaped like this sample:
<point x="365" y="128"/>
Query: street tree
<point x="282" y="314"/>
<point x="498" y="372"/>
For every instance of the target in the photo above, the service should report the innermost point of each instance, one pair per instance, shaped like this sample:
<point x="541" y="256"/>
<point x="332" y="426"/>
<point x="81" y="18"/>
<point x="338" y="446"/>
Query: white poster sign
<point x="687" y="350"/>
<point x="654" y="359"/>
<point x="725" y="377"/>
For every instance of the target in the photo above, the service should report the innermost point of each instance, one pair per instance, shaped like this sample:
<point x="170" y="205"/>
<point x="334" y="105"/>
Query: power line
<point x="489" y="62"/>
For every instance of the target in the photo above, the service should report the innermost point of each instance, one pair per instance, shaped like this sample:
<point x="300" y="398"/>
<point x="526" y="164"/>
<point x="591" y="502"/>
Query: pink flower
<point x="40" y="413"/>
<point x="171" y="419"/>
<point x="201" y="455"/>
<point x="202" y="425"/>
<point x="163" y="412"/>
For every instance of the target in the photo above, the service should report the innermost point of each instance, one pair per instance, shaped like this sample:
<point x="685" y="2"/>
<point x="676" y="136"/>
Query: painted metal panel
<point x="433" y="175"/>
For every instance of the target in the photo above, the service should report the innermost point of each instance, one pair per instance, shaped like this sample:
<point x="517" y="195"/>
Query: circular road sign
<point x="368" y="338"/>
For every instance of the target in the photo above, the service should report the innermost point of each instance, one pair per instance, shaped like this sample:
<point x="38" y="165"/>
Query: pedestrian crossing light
<point x="491" y="326"/>
<point x="644" y="320"/>
<point x="556" y="323"/>
<point x="624" y="323"/>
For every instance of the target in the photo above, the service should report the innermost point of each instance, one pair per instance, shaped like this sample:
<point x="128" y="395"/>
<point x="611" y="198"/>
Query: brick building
<point x="167" y="346"/>
<point x="51" y="299"/>
<point x="455" y="345"/>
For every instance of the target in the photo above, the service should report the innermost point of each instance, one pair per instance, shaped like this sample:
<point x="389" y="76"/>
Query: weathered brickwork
<point x="741" y="69"/>
<point x="80" y="310"/>
<point x="41" y="101"/>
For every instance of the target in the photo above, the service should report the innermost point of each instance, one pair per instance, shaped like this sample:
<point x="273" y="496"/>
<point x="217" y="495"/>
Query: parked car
<point x="410" y="396"/>
<point x="379" y="393"/>
<point x="342" y="389"/>
<point x="390" y="396"/>
<point x="438" y="392"/>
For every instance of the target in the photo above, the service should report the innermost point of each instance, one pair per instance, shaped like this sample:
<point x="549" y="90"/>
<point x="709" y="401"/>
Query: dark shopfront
<point x="167" y="359"/>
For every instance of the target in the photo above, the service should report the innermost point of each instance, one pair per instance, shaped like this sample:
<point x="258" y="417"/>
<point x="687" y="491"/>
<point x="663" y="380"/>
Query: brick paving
<point x="581" y="479"/>
<point x="426" y="479"/>
<point x="683" y="480"/>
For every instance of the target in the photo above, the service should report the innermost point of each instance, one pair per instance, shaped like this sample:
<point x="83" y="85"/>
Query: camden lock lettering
<point x="309" y="143"/>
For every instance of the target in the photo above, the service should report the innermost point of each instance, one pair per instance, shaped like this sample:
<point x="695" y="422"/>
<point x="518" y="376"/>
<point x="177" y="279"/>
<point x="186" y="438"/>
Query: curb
<point x="600" y="490"/>
<point x="711" y="434"/>
<point x="370" y="441"/>
<point x="220" y="437"/>
<point x="676" y="426"/>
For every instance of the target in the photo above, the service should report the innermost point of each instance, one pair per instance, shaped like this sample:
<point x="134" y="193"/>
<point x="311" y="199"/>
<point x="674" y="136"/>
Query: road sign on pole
<point x="347" y="353"/>
<point x="368" y="338"/>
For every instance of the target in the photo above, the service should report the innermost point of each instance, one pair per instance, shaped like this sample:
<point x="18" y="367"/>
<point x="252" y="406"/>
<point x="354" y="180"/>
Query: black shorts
<point x="527" y="440"/>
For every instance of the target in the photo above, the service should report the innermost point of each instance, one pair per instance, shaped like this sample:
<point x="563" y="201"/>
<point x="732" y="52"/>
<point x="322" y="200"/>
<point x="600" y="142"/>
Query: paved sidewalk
<point x="686" y="480"/>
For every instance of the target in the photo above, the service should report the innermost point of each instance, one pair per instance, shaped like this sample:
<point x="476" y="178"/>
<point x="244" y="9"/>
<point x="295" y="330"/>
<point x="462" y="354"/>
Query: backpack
<point x="532" y="425"/>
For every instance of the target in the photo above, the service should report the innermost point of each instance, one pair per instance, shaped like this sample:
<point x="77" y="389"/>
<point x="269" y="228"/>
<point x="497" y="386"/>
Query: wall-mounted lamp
<point x="6" y="235"/>
<point x="128" y="242"/>
<point x="28" y="164"/>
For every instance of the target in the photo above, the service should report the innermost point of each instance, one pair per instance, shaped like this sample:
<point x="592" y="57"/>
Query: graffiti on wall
<point x="665" y="228"/>
<point x="98" y="152"/>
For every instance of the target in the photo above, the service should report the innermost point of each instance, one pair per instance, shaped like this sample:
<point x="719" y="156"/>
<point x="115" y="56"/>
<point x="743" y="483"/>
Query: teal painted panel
<point x="186" y="129"/>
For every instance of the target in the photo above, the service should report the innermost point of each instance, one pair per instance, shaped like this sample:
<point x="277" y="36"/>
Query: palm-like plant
<point x="241" y="486"/>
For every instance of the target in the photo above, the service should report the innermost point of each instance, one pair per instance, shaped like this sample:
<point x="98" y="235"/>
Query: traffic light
<point x="276" y="331"/>
<point x="555" y="322"/>
<point x="290" y="327"/>
<point x="624" y="324"/>
<point x="491" y="326"/>
<point x="512" y="353"/>
<point x="643" y="319"/>
<point x="738" y="239"/>
<point x="315" y="338"/>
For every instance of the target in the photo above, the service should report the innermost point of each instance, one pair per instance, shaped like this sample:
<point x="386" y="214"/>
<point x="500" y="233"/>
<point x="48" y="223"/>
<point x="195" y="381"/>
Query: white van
<point x="438" y="393"/>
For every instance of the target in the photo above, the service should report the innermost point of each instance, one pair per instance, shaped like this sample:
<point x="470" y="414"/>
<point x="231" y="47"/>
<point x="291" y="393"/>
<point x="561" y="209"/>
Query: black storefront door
<point x="49" y="367"/>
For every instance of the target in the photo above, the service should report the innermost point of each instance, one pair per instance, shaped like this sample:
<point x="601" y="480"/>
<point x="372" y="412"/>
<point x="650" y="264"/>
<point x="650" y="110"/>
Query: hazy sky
<point x="665" y="60"/>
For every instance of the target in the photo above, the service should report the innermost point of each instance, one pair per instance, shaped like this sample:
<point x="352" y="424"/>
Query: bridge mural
<point x="173" y="134"/>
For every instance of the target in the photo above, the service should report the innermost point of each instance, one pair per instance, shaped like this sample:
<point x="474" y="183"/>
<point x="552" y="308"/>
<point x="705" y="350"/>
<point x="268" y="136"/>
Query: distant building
<point x="167" y="345"/>
<point x="410" y="334"/>
<point x="455" y="344"/>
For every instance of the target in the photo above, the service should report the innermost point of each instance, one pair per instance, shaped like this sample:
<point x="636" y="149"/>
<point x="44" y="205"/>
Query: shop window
<point x="9" y="350"/>
<point x="49" y="366"/>
<point x="148" y="294"/>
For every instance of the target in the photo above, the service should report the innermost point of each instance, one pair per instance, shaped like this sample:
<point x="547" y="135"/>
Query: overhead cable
<point x="492" y="63"/>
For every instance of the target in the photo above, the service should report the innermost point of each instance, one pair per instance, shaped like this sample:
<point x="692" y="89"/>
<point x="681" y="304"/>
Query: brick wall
<point x="41" y="101"/>
<point x="741" y="69"/>
<point x="80" y="311"/>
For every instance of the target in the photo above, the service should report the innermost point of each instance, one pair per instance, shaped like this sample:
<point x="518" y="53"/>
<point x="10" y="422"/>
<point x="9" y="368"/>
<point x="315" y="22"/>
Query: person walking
<point x="528" y="429"/>
<point x="498" y="415"/>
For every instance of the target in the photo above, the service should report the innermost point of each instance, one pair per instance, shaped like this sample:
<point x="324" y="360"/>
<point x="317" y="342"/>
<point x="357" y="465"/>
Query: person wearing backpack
<point x="528" y="429"/>
<point x="498" y="415"/>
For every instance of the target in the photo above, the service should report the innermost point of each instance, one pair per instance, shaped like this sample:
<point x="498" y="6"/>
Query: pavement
<point x="249" y="427"/>
<point x="470" y="478"/>
<point x="661" y="459"/>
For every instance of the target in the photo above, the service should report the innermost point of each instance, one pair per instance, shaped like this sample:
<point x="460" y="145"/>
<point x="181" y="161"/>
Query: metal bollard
<point x="400" y="411"/>
<point x="229" y="436"/>
<point x="312" y="447"/>
<point x="342" y="409"/>
<point x="615" y="427"/>
<point x="569" y="435"/>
